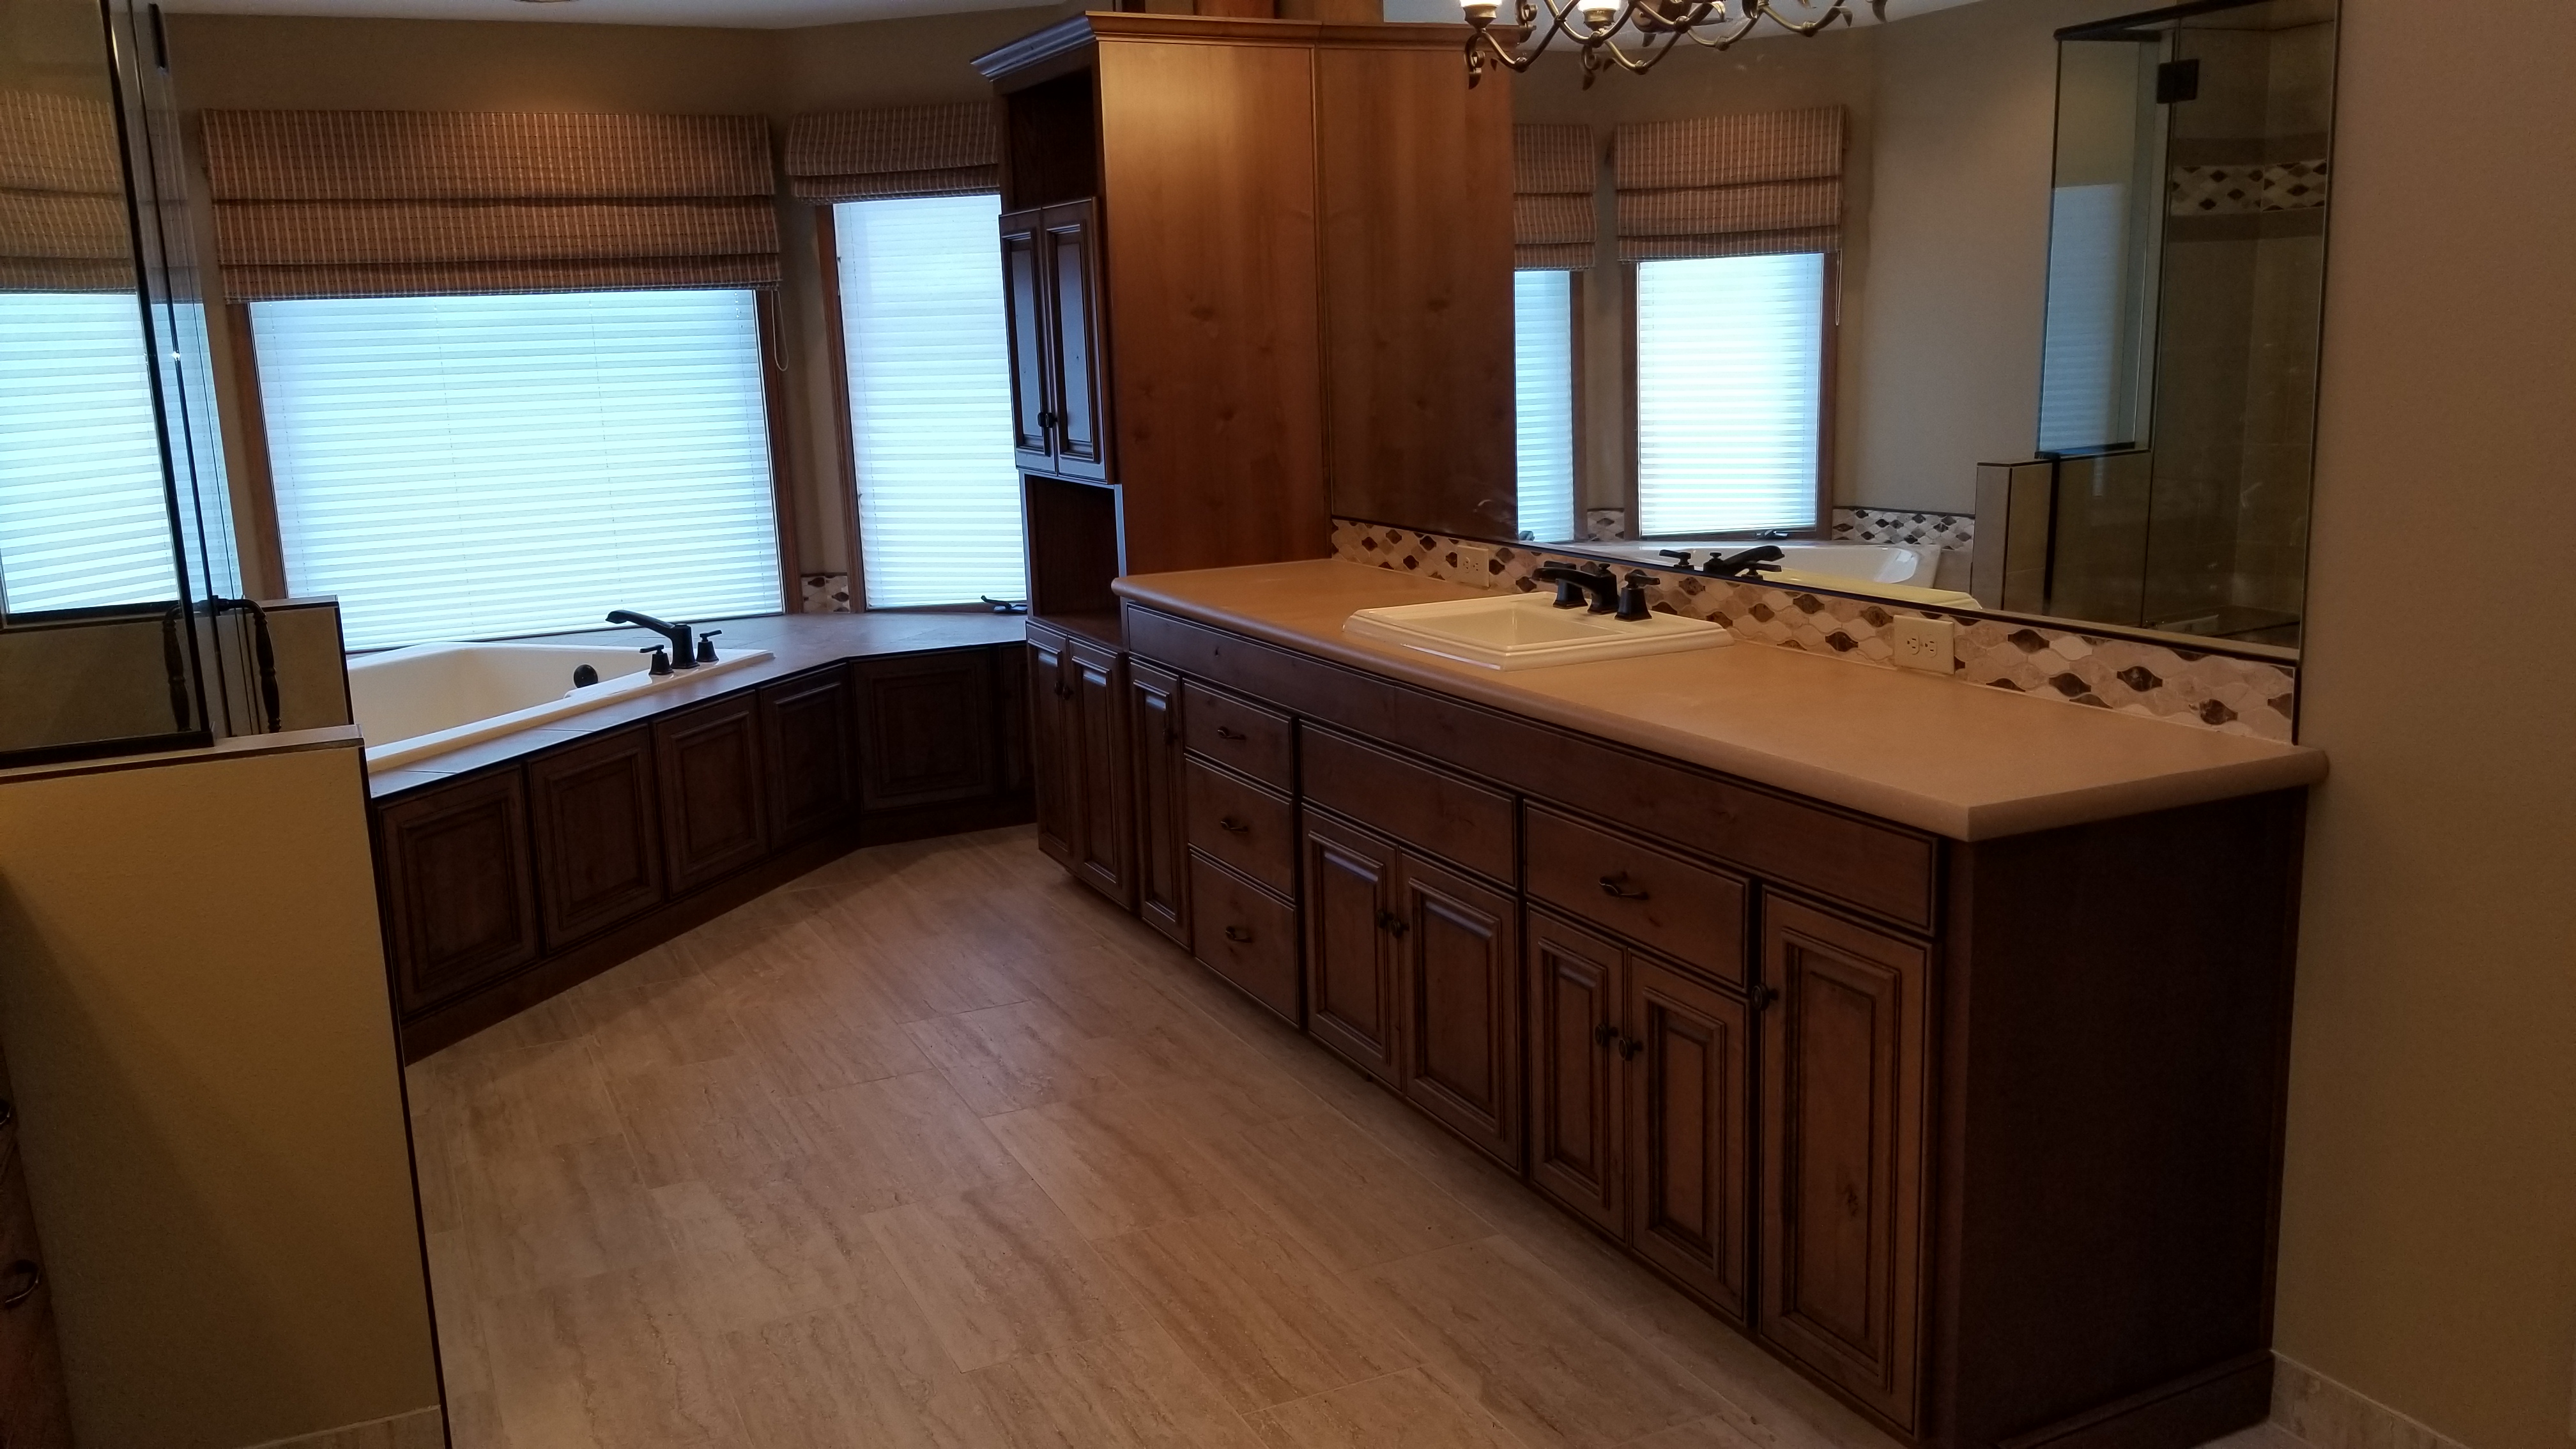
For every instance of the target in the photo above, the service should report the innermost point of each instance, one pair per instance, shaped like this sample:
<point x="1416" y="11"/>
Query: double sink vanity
<point x="1933" y="1036"/>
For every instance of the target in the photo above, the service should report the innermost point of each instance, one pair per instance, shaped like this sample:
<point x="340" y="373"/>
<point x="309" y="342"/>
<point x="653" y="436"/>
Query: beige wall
<point x="280" y="62"/>
<point x="192" y="993"/>
<point x="2428" y="1253"/>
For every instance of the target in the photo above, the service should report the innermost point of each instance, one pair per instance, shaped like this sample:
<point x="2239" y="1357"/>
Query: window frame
<point x="836" y="343"/>
<point x="1829" y="302"/>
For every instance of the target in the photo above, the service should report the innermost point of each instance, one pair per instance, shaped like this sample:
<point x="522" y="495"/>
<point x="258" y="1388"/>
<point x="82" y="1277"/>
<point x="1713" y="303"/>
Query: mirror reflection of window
<point x="1730" y="393"/>
<point x="1543" y="399"/>
<point x="84" y="516"/>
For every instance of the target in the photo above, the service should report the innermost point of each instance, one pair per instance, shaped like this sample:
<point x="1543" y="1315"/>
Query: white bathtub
<point x="433" y="697"/>
<point x="1899" y="571"/>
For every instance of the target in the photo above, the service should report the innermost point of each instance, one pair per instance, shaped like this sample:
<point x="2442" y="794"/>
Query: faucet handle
<point x="706" y="646"/>
<point x="661" y="658"/>
<point x="1683" y="555"/>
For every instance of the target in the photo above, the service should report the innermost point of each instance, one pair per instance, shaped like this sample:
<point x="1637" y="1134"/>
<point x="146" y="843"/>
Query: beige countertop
<point x="1966" y="762"/>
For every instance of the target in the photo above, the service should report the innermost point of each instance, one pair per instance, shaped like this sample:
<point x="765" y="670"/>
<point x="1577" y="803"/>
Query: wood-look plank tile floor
<point x="932" y="1148"/>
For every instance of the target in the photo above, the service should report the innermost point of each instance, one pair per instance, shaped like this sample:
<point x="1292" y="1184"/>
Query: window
<point x="1730" y="393"/>
<point x="84" y="513"/>
<point x="467" y="467"/>
<point x="930" y="400"/>
<point x="1543" y="398"/>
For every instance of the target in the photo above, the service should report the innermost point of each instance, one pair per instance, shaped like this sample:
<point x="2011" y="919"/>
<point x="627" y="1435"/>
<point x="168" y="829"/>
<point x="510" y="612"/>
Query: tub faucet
<point x="682" y="656"/>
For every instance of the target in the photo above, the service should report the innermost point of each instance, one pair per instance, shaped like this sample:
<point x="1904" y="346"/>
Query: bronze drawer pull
<point x="1391" y="923"/>
<point x="23" y="1279"/>
<point x="1617" y="885"/>
<point x="1237" y="933"/>
<point x="1232" y="826"/>
<point x="1605" y="1034"/>
<point x="1628" y="1049"/>
<point x="1228" y="732"/>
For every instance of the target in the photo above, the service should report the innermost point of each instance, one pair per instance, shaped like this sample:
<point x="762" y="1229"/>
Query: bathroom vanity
<point x="1931" y="1036"/>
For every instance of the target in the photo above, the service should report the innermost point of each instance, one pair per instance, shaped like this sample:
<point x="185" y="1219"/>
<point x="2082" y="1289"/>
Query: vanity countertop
<point x="1960" y="761"/>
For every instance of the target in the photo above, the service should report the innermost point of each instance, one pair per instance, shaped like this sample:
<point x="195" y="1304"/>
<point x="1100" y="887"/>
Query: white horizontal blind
<point x="1543" y="400"/>
<point x="2079" y="366"/>
<point x="930" y="400"/>
<point x="84" y="516"/>
<point x="473" y="467"/>
<point x="1730" y="392"/>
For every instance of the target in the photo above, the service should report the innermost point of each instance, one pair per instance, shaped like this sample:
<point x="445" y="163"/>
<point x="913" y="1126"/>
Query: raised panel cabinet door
<point x="1076" y="355"/>
<point x="1051" y="748"/>
<point x="714" y="815"/>
<point x="1104" y="851"/>
<point x="1843" y="1052"/>
<point x="807" y="738"/>
<point x="1351" y="945"/>
<point x="1690" y="1079"/>
<point x="598" y="834"/>
<point x="1462" y="1006"/>
<point x="1025" y="310"/>
<point x="459" y="891"/>
<point x="925" y="728"/>
<point x="1162" y="863"/>
<point x="1575" y="1105"/>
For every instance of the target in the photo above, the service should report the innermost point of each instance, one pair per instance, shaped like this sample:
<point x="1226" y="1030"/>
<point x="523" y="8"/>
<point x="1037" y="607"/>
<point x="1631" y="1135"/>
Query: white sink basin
<point x="1528" y="631"/>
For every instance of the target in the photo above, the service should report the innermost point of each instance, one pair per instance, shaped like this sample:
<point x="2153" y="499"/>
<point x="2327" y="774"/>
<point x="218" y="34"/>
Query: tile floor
<point x="933" y="1148"/>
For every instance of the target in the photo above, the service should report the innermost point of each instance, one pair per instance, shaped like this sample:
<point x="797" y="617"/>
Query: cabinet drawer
<point x="1242" y="825"/>
<point x="1238" y="734"/>
<point x="1679" y="907"/>
<point x="1244" y="934"/>
<point x="1432" y="810"/>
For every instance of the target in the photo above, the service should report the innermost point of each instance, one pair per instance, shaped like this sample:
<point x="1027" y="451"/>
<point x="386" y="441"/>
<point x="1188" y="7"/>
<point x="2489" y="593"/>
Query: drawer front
<point x="1430" y="809"/>
<point x="1242" y="825"/>
<point x="1238" y="734"/>
<point x="1245" y="935"/>
<point x="1682" y="908"/>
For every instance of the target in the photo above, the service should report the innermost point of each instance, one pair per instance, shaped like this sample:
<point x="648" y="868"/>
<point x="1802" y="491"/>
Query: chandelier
<point x="1593" y="26"/>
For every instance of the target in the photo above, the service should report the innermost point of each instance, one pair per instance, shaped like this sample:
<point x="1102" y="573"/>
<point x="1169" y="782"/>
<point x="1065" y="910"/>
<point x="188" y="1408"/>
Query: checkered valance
<point x="950" y="150"/>
<point x="1552" y="220"/>
<point x="1731" y="186"/>
<point x="63" y="224"/>
<point x="421" y="203"/>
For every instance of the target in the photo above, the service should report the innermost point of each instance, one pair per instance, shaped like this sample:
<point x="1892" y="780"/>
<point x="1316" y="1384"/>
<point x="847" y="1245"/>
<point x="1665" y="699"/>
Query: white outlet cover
<point x="1477" y="562"/>
<point x="1930" y="645"/>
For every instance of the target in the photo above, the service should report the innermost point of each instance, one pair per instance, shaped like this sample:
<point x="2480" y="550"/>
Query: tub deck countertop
<point x="796" y="642"/>
<point x="1964" y="762"/>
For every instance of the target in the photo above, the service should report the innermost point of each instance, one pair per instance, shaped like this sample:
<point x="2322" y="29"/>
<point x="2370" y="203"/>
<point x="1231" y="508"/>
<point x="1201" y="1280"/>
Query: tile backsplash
<point x="2230" y="692"/>
<point x="827" y="593"/>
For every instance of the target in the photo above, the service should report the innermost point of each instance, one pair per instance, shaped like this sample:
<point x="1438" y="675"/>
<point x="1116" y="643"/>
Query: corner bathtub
<point x="433" y="697"/>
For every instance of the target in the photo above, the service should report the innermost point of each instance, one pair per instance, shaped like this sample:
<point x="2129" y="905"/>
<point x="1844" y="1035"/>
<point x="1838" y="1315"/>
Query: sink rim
<point x="1621" y="639"/>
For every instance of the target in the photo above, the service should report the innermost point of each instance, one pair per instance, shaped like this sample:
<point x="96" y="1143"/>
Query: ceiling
<point x="750" y="14"/>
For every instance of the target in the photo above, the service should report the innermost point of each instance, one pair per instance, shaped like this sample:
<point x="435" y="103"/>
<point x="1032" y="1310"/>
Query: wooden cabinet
<point x="714" y="820"/>
<point x="1162" y="851"/>
<point x="1051" y="297"/>
<point x="1460" y="973"/>
<point x="598" y="834"/>
<point x="808" y="739"/>
<point x="459" y="889"/>
<point x="1844" y="1051"/>
<point x="1577" y="1112"/>
<point x="1053" y="740"/>
<point x="925" y="728"/>
<point x="1104" y="807"/>
<point x="1351" y="947"/>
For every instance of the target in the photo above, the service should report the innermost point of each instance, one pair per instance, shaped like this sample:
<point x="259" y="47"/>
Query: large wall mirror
<point x="1999" y="304"/>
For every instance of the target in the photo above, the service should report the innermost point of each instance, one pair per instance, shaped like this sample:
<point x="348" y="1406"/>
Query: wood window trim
<point x="1829" y="361"/>
<point x="836" y="348"/>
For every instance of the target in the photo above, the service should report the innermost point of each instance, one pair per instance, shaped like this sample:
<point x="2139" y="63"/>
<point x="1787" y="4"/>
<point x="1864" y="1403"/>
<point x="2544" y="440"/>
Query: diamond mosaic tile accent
<point x="2255" y="697"/>
<point x="827" y="593"/>
<point x="1898" y="525"/>
<point x="2242" y="190"/>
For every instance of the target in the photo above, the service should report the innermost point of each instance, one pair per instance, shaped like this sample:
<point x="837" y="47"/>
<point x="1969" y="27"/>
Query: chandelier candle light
<point x="1659" y="25"/>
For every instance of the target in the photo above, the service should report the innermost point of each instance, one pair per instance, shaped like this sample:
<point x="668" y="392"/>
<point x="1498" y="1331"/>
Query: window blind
<point x="930" y="400"/>
<point x="84" y="516"/>
<point x="465" y="467"/>
<point x="1730" y="374"/>
<point x="2079" y="370"/>
<point x="1543" y="400"/>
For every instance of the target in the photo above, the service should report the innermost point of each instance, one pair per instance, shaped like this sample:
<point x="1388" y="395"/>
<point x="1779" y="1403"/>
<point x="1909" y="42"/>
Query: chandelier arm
<point x="1838" y="10"/>
<point x="1725" y="41"/>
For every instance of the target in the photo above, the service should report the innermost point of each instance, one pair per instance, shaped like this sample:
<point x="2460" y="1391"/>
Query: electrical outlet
<point x="1476" y="562"/>
<point x="1926" y="644"/>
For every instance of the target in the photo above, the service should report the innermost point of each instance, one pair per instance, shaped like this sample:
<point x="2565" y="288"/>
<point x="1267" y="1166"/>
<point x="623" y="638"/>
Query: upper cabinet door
<point x="1844" y="1048"/>
<point x="1024" y="287"/>
<point x="1076" y="355"/>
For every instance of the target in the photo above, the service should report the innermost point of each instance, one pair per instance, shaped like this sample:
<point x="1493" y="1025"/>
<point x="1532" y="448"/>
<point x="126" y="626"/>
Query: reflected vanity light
<point x="1656" y="25"/>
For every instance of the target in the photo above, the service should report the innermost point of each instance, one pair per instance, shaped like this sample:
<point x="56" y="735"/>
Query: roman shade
<point x="895" y="151"/>
<point x="63" y="224"/>
<point x="1552" y="217"/>
<point x="1730" y="186"/>
<point x="423" y="203"/>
